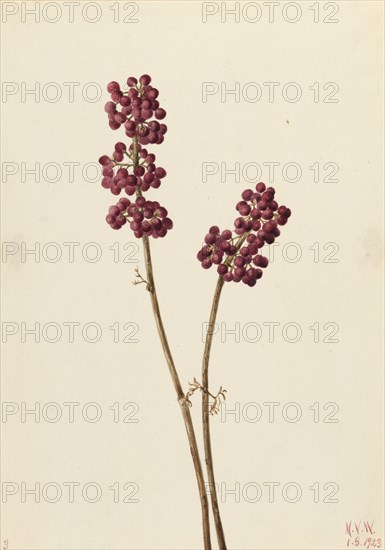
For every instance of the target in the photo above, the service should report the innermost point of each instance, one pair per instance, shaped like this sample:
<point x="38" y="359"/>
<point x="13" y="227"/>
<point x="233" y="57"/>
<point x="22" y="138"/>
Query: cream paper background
<point x="171" y="43"/>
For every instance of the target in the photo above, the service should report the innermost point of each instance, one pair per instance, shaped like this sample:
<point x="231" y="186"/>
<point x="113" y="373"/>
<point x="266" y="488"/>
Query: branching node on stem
<point x="139" y="279"/>
<point x="218" y="398"/>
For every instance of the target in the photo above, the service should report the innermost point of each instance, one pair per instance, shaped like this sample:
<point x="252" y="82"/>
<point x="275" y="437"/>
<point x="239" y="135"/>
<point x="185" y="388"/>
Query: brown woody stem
<point x="206" y="417"/>
<point x="175" y="379"/>
<point x="205" y="403"/>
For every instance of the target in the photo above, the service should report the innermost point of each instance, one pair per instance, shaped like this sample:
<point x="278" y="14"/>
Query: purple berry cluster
<point x="145" y="217"/>
<point x="133" y="168"/>
<point x="135" y="108"/>
<point x="237" y="256"/>
<point x="118" y="175"/>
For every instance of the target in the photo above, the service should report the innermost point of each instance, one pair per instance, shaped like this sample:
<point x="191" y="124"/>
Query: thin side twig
<point x="218" y="398"/>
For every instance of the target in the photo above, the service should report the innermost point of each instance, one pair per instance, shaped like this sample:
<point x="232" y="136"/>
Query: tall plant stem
<point x="205" y="404"/>
<point x="206" y="416"/>
<point x="175" y="379"/>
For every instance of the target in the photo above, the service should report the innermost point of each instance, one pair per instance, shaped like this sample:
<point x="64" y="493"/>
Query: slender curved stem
<point x="177" y="385"/>
<point x="206" y="416"/>
<point x="205" y="403"/>
<point x="180" y="395"/>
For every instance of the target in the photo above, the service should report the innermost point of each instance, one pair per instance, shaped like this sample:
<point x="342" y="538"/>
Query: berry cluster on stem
<point x="135" y="108"/>
<point x="133" y="168"/>
<point x="238" y="255"/>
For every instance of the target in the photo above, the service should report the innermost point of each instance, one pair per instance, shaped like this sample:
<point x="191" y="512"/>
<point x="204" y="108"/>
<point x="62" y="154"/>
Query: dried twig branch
<point x="218" y="398"/>
<point x="139" y="279"/>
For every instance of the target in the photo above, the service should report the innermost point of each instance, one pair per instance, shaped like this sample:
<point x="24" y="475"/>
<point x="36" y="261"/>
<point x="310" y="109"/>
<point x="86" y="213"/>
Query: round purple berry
<point x="145" y="79"/>
<point x="222" y="269"/>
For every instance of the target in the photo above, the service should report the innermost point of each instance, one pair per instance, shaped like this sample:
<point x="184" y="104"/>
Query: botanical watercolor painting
<point x="236" y="253"/>
<point x="192" y="275"/>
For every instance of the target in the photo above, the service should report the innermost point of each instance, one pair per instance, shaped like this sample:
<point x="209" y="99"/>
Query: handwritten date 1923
<point x="370" y="542"/>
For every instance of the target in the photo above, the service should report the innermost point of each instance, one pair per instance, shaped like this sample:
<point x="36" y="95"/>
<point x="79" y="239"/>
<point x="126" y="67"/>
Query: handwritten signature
<point x="361" y="535"/>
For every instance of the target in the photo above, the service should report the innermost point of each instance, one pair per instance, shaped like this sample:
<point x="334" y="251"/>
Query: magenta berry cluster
<point x="119" y="175"/>
<point x="135" y="108"/>
<point x="132" y="169"/>
<point x="144" y="217"/>
<point x="238" y="256"/>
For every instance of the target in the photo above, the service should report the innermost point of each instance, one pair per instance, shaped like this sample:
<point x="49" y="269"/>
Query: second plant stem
<point x="206" y="417"/>
<point x="205" y="404"/>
